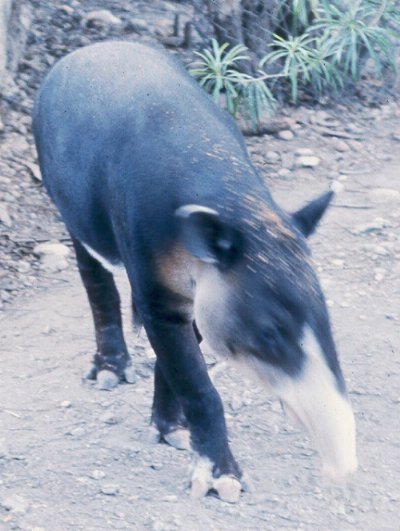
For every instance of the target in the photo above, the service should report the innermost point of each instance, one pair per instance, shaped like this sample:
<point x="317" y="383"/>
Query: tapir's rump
<point x="148" y="173"/>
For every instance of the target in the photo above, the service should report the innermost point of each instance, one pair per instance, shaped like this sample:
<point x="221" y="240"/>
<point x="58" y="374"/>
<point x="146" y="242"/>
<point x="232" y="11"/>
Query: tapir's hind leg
<point x="167" y="414"/>
<point x="111" y="361"/>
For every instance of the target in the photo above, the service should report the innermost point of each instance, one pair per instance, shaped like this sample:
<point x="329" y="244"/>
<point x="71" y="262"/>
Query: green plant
<point x="327" y="45"/>
<point x="353" y="31"/>
<point x="301" y="13"/>
<point x="218" y="72"/>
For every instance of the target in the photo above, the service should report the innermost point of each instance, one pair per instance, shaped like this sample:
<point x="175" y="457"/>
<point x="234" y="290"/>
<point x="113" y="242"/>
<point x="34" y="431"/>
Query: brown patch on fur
<point x="175" y="271"/>
<point x="261" y="212"/>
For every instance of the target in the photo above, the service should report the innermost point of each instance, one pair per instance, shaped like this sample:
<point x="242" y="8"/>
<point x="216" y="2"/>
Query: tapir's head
<point x="258" y="300"/>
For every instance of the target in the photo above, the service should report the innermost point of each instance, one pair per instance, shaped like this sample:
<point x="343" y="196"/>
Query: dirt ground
<point x="75" y="457"/>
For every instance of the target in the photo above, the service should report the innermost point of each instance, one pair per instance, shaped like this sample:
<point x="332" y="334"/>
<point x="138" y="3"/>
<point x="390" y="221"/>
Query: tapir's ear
<point x="207" y="237"/>
<point x="307" y="218"/>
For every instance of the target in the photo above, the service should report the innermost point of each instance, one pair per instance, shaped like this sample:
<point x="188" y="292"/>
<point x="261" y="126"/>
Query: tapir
<point x="147" y="172"/>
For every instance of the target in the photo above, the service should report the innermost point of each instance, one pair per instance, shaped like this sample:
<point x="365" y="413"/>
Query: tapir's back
<point x="115" y="120"/>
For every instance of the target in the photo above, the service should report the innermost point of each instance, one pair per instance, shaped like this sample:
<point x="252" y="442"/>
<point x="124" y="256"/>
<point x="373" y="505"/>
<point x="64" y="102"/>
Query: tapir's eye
<point x="270" y="334"/>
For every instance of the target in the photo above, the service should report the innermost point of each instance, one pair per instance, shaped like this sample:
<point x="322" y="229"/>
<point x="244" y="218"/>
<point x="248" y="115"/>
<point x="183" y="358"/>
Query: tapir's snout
<point x="315" y="400"/>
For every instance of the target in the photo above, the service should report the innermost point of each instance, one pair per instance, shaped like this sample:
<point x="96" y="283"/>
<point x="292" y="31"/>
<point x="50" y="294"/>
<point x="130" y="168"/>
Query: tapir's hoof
<point x="130" y="374"/>
<point x="226" y="486"/>
<point x="179" y="439"/>
<point x="90" y="374"/>
<point x="107" y="380"/>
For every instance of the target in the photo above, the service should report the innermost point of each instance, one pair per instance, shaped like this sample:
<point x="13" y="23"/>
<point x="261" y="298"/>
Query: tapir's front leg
<point x="182" y="364"/>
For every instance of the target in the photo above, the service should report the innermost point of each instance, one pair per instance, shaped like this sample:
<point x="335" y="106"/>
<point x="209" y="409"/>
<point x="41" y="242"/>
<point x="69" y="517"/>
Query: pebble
<point x="308" y="161"/>
<point x="384" y="195"/>
<point x="286" y="135"/>
<point x="272" y="156"/>
<point x="52" y="256"/>
<point x="136" y="24"/>
<point x="65" y="404"/>
<point x="374" y="225"/>
<point x="4" y="215"/>
<point x="23" y="266"/>
<point x="51" y="248"/>
<point x="110" y="418"/>
<point x="34" y="171"/>
<point x="97" y="474"/>
<point x="77" y="432"/>
<point x="109" y="490"/>
<point x="337" y="187"/>
<point x="15" y="503"/>
<point x="337" y="508"/>
<point x="236" y="403"/>
<point x="288" y="160"/>
<point x="284" y="172"/>
<point x="304" y="152"/>
<point x="340" y="145"/>
<point x="381" y="250"/>
<point x="101" y="17"/>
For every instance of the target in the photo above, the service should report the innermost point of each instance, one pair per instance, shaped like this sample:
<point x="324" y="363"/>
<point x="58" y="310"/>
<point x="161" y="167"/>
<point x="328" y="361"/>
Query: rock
<point x="52" y="256"/>
<point x="379" y="249"/>
<point x="51" y="248"/>
<point x="4" y="215"/>
<point x="68" y="10"/>
<point x="138" y="25"/>
<point x="284" y="172"/>
<point x="272" y="156"/>
<point x="15" y="503"/>
<point x="65" y="404"/>
<point x="23" y="266"/>
<point x="110" y="419"/>
<point x="236" y="403"/>
<point x="384" y="195"/>
<point x="52" y="264"/>
<point x="34" y="170"/>
<point x="308" y="161"/>
<point x="337" y="187"/>
<point x="109" y="490"/>
<point x="304" y="152"/>
<point x="288" y="160"/>
<point x="102" y="18"/>
<point x="97" y="474"/>
<point x="338" y="508"/>
<point x="375" y="225"/>
<point x="286" y="134"/>
<point x="340" y="145"/>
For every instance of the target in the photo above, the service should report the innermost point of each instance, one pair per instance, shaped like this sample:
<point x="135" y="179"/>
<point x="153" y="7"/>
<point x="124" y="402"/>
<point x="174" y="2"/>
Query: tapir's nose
<point x="332" y="428"/>
<point x="314" y="399"/>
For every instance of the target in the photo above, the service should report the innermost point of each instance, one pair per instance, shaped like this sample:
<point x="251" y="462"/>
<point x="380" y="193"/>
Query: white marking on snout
<point x="313" y="399"/>
<point x="324" y="410"/>
<point x="111" y="268"/>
